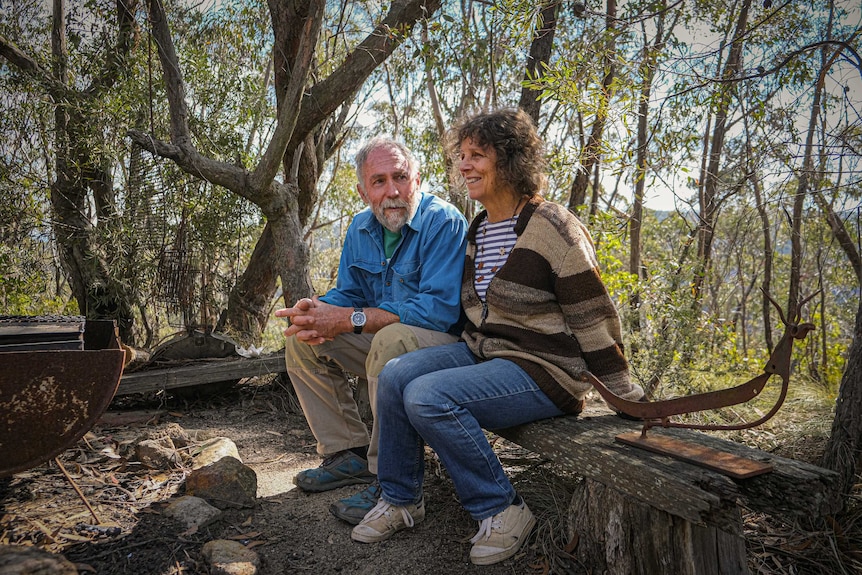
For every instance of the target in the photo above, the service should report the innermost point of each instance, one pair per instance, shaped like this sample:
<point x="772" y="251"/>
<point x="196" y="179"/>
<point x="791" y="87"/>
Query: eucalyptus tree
<point x="78" y="164"/>
<point x="312" y="97"/>
<point x="28" y="281"/>
<point x="843" y="452"/>
<point x="652" y="51"/>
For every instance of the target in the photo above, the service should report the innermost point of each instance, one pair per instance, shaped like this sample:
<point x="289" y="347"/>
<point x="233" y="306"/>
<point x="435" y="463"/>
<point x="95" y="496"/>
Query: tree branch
<point x="27" y="65"/>
<point x="323" y="98"/>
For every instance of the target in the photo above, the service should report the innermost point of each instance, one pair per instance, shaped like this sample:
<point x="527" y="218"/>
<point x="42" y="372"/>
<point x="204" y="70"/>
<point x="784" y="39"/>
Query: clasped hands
<point x="313" y="321"/>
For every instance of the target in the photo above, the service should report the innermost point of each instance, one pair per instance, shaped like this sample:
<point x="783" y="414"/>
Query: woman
<point x="538" y="314"/>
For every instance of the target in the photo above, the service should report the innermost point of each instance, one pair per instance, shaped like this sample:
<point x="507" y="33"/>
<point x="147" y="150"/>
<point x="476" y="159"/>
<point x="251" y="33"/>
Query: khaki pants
<point x="318" y="374"/>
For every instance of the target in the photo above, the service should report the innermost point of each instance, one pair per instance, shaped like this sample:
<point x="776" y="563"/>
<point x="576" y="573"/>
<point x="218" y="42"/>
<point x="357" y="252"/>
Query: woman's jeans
<point x="445" y="396"/>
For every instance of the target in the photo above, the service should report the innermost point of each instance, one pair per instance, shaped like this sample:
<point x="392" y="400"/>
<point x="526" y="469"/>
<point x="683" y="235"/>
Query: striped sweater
<point x="547" y="309"/>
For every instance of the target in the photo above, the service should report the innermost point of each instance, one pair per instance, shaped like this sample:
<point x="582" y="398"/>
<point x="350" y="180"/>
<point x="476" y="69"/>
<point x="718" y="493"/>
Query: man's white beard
<point x="397" y="221"/>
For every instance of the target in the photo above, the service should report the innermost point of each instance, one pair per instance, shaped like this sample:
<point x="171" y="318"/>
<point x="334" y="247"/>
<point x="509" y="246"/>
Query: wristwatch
<point x="357" y="318"/>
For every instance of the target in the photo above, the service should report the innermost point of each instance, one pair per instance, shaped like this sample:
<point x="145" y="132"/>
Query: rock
<point x="227" y="557"/>
<point x="19" y="560"/>
<point x="158" y="454"/>
<point x="192" y="511"/>
<point x="225" y="483"/>
<point x="213" y="450"/>
<point x="178" y="436"/>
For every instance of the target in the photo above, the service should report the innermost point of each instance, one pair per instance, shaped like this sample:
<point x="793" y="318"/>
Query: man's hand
<point x="313" y="321"/>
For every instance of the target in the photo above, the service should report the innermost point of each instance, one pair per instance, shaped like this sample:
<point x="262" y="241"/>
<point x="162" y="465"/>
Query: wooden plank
<point x="199" y="372"/>
<point x="727" y="463"/>
<point x="586" y="446"/>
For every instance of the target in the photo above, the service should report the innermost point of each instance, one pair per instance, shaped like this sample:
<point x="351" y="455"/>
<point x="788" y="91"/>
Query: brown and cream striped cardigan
<point x="547" y="309"/>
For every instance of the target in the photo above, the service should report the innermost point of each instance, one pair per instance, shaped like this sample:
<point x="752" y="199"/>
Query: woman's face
<point x="478" y="166"/>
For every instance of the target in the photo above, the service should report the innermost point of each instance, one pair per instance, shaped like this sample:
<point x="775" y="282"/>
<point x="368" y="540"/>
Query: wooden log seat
<point x="637" y="512"/>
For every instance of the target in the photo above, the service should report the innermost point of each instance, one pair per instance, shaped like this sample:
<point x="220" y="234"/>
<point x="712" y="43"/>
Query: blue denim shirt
<point x="421" y="283"/>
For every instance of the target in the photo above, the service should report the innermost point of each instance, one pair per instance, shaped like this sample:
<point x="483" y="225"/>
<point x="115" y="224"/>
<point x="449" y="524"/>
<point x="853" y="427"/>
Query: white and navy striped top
<point x="494" y="242"/>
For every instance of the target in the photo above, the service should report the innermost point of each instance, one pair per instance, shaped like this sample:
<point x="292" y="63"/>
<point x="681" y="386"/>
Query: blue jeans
<point x="445" y="396"/>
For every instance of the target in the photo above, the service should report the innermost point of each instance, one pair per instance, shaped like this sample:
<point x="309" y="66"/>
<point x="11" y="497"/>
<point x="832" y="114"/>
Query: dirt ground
<point x="291" y="531"/>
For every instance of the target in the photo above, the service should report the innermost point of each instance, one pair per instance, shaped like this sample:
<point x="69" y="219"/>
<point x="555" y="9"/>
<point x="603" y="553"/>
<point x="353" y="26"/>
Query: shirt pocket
<point x="405" y="280"/>
<point x="368" y="279"/>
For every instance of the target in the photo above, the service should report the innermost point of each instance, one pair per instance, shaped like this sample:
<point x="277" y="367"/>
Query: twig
<point x="77" y="490"/>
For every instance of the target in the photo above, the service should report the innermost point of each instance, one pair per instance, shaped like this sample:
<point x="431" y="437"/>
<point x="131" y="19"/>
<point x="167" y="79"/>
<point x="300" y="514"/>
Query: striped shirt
<point x="494" y="242"/>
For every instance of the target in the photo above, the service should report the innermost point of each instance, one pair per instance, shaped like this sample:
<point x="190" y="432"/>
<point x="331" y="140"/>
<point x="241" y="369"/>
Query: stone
<point x="193" y="512"/>
<point x="226" y="557"/>
<point x="21" y="560"/>
<point x="212" y="450"/>
<point x="225" y="483"/>
<point x="158" y="454"/>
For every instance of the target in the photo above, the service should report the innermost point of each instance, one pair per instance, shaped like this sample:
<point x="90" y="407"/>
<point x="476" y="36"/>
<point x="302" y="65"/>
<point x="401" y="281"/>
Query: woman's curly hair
<point x="512" y="134"/>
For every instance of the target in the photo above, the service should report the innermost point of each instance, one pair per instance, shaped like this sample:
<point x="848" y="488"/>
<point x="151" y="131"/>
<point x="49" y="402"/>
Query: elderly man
<point x="397" y="290"/>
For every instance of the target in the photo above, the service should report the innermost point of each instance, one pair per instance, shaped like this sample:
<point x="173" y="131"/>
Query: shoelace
<point x="486" y="526"/>
<point x="329" y="459"/>
<point x="384" y="508"/>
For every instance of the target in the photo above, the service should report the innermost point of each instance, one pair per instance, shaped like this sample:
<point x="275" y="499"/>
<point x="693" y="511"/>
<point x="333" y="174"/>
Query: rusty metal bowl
<point x="49" y="398"/>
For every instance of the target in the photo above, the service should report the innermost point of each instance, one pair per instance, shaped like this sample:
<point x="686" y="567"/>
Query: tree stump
<point x="618" y="534"/>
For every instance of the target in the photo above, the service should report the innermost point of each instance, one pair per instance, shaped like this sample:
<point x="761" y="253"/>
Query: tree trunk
<point x="540" y="55"/>
<point x="592" y="151"/>
<point x="765" y="228"/>
<point x="709" y="195"/>
<point x="602" y="519"/>
<point x="647" y="67"/>
<point x="99" y="291"/>
<point x="843" y="452"/>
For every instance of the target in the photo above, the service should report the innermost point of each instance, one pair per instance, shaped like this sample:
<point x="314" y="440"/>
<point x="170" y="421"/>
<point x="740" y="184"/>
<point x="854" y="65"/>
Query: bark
<point x="591" y="154"/>
<point x="603" y="520"/>
<point x="709" y="195"/>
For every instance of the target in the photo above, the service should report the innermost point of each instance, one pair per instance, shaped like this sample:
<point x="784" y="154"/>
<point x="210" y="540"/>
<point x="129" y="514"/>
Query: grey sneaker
<point x="501" y="536"/>
<point x="353" y="509"/>
<point x="337" y="470"/>
<point x="386" y="519"/>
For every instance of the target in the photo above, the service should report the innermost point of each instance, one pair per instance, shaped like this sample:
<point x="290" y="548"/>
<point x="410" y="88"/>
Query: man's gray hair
<point x="387" y="143"/>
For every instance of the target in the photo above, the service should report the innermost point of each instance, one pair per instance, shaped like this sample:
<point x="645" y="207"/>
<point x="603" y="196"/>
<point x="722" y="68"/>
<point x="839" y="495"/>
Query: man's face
<point x="389" y="188"/>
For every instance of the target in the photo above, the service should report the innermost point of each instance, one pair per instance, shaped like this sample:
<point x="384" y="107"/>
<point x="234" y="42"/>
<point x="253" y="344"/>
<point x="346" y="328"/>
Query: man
<point x="397" y="290"/>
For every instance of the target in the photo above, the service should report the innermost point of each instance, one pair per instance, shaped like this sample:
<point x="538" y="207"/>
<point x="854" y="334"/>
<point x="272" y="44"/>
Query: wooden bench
<point x="642" y="513"/>
<point x="200" y="372"/>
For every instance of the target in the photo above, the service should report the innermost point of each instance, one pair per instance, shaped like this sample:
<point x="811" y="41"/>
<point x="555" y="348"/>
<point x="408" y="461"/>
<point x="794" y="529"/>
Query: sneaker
<point x="385" y="519"/>
<point x="353" y="509"/>
<point x="501" y="536"/>
<point x="337" y="470"/>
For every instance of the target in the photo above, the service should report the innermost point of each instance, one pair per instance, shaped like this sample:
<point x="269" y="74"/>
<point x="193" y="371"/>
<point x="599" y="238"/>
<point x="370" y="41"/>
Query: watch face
<point x="358" y="318"/>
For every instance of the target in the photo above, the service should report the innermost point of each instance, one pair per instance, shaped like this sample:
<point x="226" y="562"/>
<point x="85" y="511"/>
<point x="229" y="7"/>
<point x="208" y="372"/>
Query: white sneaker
<point x="501" y="536"/>
<point x="385" y="519"/>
